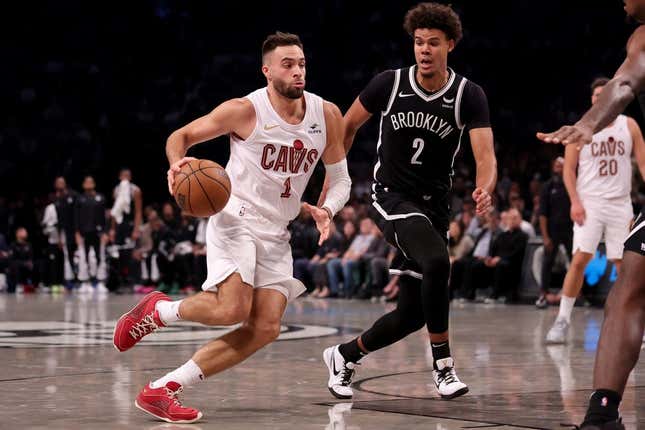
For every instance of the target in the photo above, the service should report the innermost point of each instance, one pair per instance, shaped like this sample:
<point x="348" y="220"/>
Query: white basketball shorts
<point x="239" y="239"/>
<point x="605" y="217"/>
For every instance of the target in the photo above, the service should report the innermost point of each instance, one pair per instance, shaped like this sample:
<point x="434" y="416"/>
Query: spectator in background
<point x="555" y="225"/>
<point x="304" y="243"/>
<point x="90" y="223"/>
<point x="473" y="265"/>
<point x="21" y="263"/>
<point x="163" y="249"/>
<point x="460" y="246"/>
<point x="199" y="252"/>
<point x="143" y="254"/>
<point x="375" y="264"/>
<point x="169" y="215"/>
<point x="65" y="204"/>
<point x="52" y="267"/>
<point x="183" y="253"/>
<point x="505" y="262"/>
<point x="4" y="262"/>
<point x="127" y="216"/>
<point x="335" y="244"/>
<point x="344" y="270"/>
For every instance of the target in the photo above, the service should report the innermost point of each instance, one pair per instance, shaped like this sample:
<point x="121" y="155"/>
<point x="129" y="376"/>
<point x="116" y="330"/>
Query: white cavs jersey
<point x="604" y="166"/>
<point x="271" y="168"/>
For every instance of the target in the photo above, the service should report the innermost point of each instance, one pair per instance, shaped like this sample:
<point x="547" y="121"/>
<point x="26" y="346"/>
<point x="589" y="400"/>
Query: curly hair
<point x="433" y="15"/>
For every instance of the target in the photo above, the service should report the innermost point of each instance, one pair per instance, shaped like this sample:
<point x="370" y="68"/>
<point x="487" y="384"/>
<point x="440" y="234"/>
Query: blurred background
<point x="89" y="88"/>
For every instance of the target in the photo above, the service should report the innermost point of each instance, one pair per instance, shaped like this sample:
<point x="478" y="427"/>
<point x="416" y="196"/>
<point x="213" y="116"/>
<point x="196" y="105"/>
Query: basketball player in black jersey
<point x="622" y="329"/>
<point x="424" y="109"/>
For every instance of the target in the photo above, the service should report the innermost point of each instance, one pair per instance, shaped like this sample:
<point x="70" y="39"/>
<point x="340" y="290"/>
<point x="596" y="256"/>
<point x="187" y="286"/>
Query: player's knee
<point x="231" y="313"/>
<point x="438" y="262"/>
<point x="579" y="262"/>
<point x="265" y="331"/>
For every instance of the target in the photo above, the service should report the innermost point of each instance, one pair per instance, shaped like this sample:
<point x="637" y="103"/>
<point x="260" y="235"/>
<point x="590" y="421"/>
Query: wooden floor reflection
<point x="60" y="371"/>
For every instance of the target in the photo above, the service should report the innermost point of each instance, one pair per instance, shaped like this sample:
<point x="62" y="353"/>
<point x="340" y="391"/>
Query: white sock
<point x="566" y="307"/>
<point x="168" y="311"/>
<point x="186" y="375"/>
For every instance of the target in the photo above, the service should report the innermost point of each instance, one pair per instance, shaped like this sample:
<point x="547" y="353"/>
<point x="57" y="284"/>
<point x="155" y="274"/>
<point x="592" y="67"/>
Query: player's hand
<point x="321" y="216"/>
<point x="548" y="243"/>
<point x="482" y="200"/>
<point x="174" y="168"/>
<point x="578" y="213"/>
<point x="577" y="134"/>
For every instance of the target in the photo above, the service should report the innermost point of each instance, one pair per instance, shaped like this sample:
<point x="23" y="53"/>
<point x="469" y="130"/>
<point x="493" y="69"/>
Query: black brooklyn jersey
<point x="420" y="132"/>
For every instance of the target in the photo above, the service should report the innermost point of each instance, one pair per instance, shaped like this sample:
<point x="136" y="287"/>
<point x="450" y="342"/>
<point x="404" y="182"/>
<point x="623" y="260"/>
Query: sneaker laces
<point x="146" y="326"/>
<point x="174" y="395"/>
<point x="448" y="375"/>
<point x="346" y="375"/>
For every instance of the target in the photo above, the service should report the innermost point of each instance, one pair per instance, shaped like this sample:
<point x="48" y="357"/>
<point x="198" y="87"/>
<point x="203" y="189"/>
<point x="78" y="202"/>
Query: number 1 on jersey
<point x="287" y="189"/>
<point x="417" y="144"/>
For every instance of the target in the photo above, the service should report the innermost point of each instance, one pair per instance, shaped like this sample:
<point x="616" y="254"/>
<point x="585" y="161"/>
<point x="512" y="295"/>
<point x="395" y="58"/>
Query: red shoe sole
<point x="162" y="416"/>
<point x="142" y="303"/>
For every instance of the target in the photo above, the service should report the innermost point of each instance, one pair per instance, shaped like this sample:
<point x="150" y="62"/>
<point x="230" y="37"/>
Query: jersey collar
<point x="421" y="93"/>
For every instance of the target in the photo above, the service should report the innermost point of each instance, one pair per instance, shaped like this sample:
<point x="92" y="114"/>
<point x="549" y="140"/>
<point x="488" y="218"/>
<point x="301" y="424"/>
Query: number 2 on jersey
<point x="287" y="189"/>
<point x="417" y="144"/>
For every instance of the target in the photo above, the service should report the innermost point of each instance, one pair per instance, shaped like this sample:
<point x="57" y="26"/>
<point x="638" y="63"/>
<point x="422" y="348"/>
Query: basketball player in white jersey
<point x="278" y="134"/>
<point x="600" y="202"/>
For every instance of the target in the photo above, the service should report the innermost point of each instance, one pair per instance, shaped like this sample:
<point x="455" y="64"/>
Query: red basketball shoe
<point x="143" y="319"/>
<point x="163" y="403"/>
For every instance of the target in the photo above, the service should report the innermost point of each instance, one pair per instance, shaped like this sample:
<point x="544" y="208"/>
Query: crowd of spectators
<point x="109" y="89"/>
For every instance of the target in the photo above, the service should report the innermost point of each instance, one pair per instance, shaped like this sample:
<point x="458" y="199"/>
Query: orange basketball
<point x="202" y="188"/>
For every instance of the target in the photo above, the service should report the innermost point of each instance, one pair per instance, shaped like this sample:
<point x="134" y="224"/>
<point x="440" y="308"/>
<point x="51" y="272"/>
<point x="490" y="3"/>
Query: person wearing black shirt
<point x="21" y="263"/>
<point x="424" y="111"/>
<point x="505" y="262"/>
<point x="65" y="204"/>
<point x="555" y="225"/>
<point x="90" y="223"/>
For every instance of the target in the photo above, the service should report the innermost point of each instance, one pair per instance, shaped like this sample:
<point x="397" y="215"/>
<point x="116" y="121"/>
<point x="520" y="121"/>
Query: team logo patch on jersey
<point x="48" y="334"/>
<point x="297" y="144"/>
<point x="314" y="129"/>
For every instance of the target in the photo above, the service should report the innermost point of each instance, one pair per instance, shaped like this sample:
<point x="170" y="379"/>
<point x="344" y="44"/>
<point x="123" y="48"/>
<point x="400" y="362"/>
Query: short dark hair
<point x="599" y="82"/>
<point x="433" y="15"/>
<point x="280" y="39"/>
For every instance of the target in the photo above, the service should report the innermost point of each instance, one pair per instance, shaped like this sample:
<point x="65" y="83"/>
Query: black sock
<point x="603" y="407"/>
<point x="351" y="351"/>
<point x="439" y="351"/>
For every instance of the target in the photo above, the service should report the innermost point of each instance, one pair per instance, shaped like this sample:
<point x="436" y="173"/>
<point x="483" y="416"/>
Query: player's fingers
<point x="545" y="137"/>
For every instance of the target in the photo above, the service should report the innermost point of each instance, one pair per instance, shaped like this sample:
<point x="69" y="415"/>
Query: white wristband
<point x="340" y="186"/>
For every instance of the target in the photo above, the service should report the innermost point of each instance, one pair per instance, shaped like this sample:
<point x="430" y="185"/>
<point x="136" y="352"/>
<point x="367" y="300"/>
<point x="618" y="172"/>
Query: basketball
<point x="202" y="188"/>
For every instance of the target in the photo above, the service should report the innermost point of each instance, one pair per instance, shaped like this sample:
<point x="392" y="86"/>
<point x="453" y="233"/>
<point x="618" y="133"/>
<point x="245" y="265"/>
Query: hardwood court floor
<point x="59" y="371"/>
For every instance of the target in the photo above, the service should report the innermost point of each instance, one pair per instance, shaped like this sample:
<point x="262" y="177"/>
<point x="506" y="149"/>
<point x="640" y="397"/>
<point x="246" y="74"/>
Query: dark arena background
<point x="92" y="88"/>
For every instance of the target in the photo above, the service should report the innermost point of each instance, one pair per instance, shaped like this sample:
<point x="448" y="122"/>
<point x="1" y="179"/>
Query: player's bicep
<point x="228" y="117"/>
<point x="334" y="149"/>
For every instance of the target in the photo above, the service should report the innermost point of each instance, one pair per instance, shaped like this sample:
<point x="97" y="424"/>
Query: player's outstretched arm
<point x="481" y="140"/>
<point x="616" y="95"/>
<point x="337" y="177"/>
<point x="232" y="116"/>
<point x="638" y="145"/>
